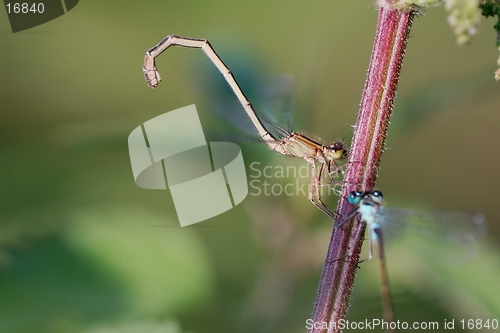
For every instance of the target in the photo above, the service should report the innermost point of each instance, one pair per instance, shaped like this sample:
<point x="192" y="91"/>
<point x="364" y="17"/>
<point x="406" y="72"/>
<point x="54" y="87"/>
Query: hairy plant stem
<point x="341" y="263"/>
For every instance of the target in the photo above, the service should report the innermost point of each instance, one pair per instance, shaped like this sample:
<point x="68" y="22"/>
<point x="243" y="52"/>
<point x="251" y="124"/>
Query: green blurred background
<point x="83" y="249"/>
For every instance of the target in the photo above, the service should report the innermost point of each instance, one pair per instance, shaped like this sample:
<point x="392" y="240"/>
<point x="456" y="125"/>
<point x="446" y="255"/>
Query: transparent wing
<point x="438" y="236"/>
<point x="273" y="102"/>
<point x="232" y="113"/>
<point x="277" y="102"/>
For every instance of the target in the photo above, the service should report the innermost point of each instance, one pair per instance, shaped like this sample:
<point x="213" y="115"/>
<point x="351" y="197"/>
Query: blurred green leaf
<point x="162" y="267"/>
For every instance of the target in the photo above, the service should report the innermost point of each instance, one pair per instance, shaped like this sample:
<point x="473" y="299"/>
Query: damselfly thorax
<point x="299" y="145"/>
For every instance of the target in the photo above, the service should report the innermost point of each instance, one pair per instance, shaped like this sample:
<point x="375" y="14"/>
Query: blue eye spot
<point x="354" y="197"/>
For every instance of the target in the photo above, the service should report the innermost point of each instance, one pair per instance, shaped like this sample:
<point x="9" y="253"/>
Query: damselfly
<point x="287" y="143"/>
<point x="441" y="236"/>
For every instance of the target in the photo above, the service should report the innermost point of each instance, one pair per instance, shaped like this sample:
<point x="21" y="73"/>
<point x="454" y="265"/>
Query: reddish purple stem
<point x="367" y="147"/>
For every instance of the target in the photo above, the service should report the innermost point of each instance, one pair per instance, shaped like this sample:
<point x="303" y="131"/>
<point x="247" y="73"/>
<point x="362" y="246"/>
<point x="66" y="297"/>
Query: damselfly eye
<point x="336" y="146"/>
<point x="354" y="197"/>
<point x="345" y="153"/>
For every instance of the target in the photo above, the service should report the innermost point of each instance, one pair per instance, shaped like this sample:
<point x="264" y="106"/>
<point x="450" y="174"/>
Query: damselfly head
<point x="338" y="151"/>
<point x="355" y="197"/>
